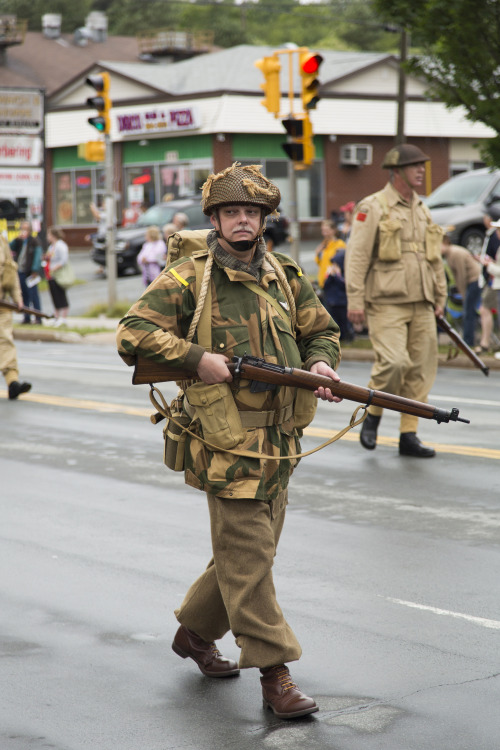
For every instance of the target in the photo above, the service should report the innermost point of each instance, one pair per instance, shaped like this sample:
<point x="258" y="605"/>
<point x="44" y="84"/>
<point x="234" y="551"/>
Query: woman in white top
<point x="56" y="257"/>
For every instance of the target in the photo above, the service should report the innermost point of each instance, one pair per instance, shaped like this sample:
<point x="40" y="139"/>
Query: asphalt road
<point x="388" y="571"/>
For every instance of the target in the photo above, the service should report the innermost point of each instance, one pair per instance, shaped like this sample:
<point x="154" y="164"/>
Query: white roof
<point x="245" y="114"/>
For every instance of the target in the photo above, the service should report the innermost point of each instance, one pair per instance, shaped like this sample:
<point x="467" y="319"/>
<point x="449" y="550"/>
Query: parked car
<point x="129" y="240"/>
<point x="462" y="201"/>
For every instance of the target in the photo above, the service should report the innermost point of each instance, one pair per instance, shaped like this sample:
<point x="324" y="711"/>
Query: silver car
<point x="462" y="201"/>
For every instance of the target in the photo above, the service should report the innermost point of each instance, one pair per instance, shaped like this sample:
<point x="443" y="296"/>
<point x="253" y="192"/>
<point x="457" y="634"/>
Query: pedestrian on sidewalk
<point x="57" y="257"/>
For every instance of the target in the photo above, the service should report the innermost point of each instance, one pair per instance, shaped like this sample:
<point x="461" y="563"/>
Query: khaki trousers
<point x="404" y="339"/>
<point x="8" y="354"/>
<point x="236" y="591"/>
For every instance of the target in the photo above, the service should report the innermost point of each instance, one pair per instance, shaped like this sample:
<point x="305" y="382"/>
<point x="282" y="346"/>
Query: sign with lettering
<point x="21" y="183"/>
<point x="159" y="120"/>
<point x="21" y="110"/>
<point x="20" y="151"/>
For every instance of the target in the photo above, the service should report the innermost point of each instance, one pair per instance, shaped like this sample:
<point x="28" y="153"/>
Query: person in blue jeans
<point x="27" y="253"/>
<point x="466" y="270"/>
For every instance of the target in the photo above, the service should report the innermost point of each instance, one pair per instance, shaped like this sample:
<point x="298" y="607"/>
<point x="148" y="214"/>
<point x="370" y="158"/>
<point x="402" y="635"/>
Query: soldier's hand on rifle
<point x="438" y="310"/>
<point x="321" y="368"/>
<point x="212" y="368"/>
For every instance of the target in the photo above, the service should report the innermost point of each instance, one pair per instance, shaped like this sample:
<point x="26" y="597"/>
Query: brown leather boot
<point x="206" y="655"/>
<point x="282" y="695"/>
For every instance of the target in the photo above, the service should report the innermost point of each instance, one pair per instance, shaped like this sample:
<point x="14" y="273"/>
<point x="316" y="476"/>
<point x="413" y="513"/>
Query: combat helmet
<point x="239" y="185"/>
<point x="404" y="155"/>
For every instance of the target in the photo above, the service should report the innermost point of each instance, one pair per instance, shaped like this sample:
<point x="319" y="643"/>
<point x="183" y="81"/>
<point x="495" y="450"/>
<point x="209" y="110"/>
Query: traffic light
<point x="102" y="103"/>
<point x="92" y="151"/>
<point x="309" y="65"/>
<point x="301" y="148"/>
<point x="270" y="67"/>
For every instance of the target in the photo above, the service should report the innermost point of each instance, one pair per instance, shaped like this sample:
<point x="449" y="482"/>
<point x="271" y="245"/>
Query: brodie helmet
<point x="404" y="155"/>
<point x="239" y="185"/>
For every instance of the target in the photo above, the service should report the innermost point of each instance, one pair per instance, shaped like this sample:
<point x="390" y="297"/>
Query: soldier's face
<point x="415" y="174"/>
<point x="238" y="222"/>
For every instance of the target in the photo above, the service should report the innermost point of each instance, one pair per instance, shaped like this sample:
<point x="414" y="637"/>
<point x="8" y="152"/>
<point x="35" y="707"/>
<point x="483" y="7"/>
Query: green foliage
<point x="335" y="24"/>
<point x="461" y="55"/>
<point x="118" y="310"/>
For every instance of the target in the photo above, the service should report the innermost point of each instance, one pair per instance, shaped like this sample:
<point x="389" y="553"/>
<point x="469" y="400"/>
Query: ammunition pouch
<point x="216" y="410"/>
<point x="433" y="239"/>
<point x="389" y="248"/>
<point x="305" y="406"/>
<point x="175" y="436"/>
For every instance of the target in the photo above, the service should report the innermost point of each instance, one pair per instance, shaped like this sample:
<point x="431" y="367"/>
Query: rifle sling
<point x="164" y="410"/>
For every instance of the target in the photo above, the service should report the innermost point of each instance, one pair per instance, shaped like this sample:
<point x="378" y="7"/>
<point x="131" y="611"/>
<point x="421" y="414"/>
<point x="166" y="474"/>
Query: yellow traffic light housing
<point x="92" y="151"/>
<point x="300" y="149"/>
<point x="102" y="103"/>
<point x="309" y="65"/>
<point x="270" y="67"/>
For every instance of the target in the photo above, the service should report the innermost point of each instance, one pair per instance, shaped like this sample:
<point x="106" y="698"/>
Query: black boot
<point x="410" y="445"/>
<point x="368" y="434"/>
<point x="16" y="388"/>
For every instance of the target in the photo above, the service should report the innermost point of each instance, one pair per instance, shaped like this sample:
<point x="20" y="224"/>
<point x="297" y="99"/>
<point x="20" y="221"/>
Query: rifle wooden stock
<point x="30" y="310"/>
<point x="147" y="372"/>
<point x="461" y="344"/>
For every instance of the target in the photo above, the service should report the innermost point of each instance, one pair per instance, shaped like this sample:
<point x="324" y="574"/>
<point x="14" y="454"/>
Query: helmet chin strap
<point x="242" y="246"/>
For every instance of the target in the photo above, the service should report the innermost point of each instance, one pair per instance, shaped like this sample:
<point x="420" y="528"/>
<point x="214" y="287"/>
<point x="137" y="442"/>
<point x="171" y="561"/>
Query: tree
<point x="460" y="57"/>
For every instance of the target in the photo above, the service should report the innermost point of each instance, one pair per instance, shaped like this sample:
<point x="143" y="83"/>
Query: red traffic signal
<point x="309" y="65"/>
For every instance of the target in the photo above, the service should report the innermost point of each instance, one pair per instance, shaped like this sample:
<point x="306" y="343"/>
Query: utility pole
<point x="403" y="55"/>
<point x="110" y="207"/>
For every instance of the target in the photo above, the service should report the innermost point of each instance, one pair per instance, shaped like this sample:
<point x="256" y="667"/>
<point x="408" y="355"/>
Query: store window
<point x="74" y="191"/>
<point x="155" y="183"/>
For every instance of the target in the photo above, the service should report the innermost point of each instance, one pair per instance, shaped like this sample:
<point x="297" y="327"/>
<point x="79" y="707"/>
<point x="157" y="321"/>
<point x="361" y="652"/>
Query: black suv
<point x="129" y="240"/>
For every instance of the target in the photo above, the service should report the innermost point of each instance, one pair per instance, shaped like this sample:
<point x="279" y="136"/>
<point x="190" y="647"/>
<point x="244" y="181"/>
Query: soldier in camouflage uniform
<point x="247" y="497"/>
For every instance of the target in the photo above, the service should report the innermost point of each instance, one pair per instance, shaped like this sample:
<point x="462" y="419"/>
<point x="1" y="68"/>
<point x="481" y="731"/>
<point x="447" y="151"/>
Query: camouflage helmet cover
<point x="239" y="185"/>
<point x="404" y="155"/>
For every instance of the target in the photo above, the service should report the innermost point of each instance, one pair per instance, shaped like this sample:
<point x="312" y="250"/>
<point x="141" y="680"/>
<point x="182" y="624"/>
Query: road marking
<point x="459" y="450"/>
<point x="74" y="403"/>
<point x="110" y="408"/>
<point x="482" y="621"/>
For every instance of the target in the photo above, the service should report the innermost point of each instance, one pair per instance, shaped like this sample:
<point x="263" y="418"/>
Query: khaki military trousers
<point x="404" y="339"/>
<point x="8" y="355"/>
<point x="236" y="592"/>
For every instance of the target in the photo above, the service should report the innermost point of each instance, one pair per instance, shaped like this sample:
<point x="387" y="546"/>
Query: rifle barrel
<point x="147" y="371"/>
<point x="458" y="341"/>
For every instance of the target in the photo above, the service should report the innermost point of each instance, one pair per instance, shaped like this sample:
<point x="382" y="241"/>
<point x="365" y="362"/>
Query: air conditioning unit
<point x="356" y="154"/>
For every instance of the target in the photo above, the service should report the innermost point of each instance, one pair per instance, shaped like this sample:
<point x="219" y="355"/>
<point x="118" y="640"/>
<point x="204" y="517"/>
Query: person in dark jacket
<point x="27" y="253"/>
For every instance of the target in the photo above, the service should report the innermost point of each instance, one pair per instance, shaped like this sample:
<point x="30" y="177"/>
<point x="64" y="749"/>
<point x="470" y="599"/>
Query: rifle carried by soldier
<point x="29" y="310"/>
<point x="461" y="344"/>
<point x="147" y="371"/>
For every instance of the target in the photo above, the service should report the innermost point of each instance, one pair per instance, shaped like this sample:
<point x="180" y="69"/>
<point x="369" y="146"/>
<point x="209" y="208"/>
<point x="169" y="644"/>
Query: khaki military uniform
<point x="247" y="497"/>
<point x="8" y="355"/>
<point x="394" y="272"/>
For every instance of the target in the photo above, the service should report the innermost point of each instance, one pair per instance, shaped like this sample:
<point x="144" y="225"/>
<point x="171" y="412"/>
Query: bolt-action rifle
<point x="460" y="343"/>
<point x="29" y="310"/>
<point x="258" y="370"/>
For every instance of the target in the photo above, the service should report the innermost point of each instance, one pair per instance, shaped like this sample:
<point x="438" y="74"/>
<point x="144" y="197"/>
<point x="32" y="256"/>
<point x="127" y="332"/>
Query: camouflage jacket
<point x="242" y="322"/>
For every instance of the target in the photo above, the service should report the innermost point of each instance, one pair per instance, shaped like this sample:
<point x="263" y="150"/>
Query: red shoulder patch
<point x="361" y="216"/>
